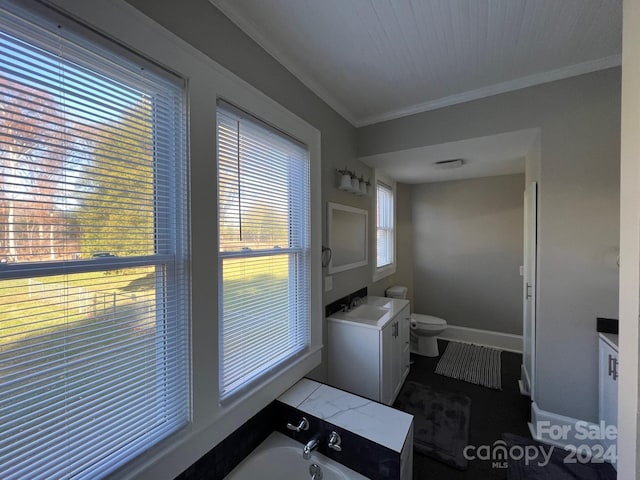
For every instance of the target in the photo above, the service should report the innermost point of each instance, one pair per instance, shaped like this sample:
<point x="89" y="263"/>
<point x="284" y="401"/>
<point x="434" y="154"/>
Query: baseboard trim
<point x="487" y="338"/>
<point x="524" y="382"/>
<point x="546" y="427"/>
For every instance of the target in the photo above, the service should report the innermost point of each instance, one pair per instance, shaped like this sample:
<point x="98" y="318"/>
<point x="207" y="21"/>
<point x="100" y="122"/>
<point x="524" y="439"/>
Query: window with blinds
<point x="384" y="225"/>
<point x="93" y="332"/>
<point x="264" y="248"/>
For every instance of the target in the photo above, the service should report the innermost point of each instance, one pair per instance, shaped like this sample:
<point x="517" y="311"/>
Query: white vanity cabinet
<point x="405" y="330"/>
<point x="370" y="358"/>
<point x="608" y="384"/>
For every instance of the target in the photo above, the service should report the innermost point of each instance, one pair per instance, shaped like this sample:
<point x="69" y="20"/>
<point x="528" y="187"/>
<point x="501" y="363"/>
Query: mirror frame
<point x="332" y="241"/>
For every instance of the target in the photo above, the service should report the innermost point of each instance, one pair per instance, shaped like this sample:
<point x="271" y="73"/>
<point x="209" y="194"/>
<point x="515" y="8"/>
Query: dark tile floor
<point x="492" y="413"/>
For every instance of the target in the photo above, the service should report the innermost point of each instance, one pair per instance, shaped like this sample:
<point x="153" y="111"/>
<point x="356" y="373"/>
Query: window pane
<point x="93" y="354"/>
<point x="261" y="179"/>
<point x="383" y="249"/>
<point x="261" y="325"/>
<point x="76" y="160"/>
<point x="264" y="248"/>
<point x="78" y="355"/>
<point x="384" y="225"/>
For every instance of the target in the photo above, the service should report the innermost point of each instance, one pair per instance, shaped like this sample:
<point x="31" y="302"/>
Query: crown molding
<point x="251" y="30"/>
<point x="496" y="89"/>
<point x="483" y="92"/>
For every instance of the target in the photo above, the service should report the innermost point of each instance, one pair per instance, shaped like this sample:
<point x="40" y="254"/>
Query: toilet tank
<point x="397" y="291"/>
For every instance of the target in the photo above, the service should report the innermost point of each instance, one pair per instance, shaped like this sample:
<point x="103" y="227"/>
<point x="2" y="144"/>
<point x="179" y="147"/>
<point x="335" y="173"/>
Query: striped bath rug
<point x="472" y="363"/>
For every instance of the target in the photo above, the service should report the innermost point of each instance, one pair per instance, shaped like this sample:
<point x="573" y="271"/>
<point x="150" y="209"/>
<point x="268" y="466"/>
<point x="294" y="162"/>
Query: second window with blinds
<point x="385" y="229"/>
<point x="264" y="249"/>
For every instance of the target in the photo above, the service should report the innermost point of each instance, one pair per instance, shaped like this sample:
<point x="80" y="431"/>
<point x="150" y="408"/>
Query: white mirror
<point x="347" y="235"/>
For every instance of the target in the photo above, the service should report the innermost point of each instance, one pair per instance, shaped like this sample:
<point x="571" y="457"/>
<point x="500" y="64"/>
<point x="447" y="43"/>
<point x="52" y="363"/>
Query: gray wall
<point x="467" y="250"/>
<point x="203" y="26"/>
<point x="579" y="120"/>
<point x="579" y="191"/>
<point x="404" y="240"/>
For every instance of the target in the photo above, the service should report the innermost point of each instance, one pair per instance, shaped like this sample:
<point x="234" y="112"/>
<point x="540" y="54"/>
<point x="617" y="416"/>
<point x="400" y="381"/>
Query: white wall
<point x="467" y="251"/>
<point x="628" y="418"/>
<point x="579" y="122"/>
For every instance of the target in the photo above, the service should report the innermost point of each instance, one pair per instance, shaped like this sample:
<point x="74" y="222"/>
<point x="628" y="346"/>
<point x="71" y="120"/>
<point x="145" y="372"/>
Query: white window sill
<point x="383" y="272"/>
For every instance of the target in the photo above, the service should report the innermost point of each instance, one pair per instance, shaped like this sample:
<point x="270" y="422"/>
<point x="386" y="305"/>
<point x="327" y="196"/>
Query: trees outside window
<point x="93" y="305"/>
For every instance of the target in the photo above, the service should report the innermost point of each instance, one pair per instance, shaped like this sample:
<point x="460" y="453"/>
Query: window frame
<point x="171" y="251"/>
<point x="386" y="270"/>
<point x="208" y="80"/>
<point x="303" y="250"/>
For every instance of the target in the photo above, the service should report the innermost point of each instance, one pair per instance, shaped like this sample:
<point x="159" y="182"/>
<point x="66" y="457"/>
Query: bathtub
<point x="280" y="457"/>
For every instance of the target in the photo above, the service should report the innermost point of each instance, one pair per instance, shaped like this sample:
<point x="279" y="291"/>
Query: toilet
<point x="424" y="328"/>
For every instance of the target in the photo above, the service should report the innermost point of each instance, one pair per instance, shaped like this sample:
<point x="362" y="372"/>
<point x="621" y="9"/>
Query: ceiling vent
<point x="447" y="164"/>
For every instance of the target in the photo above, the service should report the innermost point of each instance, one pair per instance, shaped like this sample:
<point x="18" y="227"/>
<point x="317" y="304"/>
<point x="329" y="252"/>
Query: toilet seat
<point x="427" y="319"/>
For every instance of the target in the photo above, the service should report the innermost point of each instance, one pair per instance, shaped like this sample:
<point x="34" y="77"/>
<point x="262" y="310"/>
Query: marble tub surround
<point x="358" y="454"/>
<point x="299" y="392"/>
<point x="377" y="441"/>
<point x="371" y="420"/>
<point x="225" y="456"/>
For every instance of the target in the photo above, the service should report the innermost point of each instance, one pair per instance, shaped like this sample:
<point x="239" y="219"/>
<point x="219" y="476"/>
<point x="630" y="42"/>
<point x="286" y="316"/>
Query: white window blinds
<point x="93" y="333"/>
<point x="264" y="249"/>
<point x="384" y="225"/>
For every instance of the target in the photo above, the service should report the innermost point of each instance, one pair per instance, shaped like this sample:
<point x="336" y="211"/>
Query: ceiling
<point x="375" y="60"/>
<point x="502" y="154"/>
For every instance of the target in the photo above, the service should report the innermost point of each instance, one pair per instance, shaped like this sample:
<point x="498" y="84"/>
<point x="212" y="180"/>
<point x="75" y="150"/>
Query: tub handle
<point x="302" y="426"/>
<point x="335" y="442"/>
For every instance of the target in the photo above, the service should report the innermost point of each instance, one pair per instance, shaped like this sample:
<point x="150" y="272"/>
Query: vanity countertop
<point x="393" y="306"/>
<point x="374" y="421"/>
<point x="611" y="339"/>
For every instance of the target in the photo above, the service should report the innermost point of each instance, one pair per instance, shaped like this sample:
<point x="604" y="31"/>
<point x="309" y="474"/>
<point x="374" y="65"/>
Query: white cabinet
<point x="405" y="337"/>
<point x="608" y="385"/>
<point x="368" y="358"/>
<point x="396" y="354"/>
<point x="390" y="362"/>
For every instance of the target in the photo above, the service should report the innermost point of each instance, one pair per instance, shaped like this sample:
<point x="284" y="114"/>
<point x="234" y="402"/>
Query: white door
<point x="529" y="288"/>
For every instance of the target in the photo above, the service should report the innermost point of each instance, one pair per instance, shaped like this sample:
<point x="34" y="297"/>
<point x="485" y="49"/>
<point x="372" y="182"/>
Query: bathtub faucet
<point x="311" y="445"/>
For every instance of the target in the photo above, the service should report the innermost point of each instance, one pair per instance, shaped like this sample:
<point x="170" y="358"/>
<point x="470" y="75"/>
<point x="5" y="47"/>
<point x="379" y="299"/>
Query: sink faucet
<point x="355" y="302"/>
<point x="311" y="445"/>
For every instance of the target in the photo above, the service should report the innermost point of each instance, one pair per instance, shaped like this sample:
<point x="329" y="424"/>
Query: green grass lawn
<point x="36" y="307"/>
<point x="39" y="307"/>
<point x="73" y="342"/>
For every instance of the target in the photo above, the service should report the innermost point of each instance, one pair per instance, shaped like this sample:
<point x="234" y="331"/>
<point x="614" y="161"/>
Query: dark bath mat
<point x="556" y="468"/>
<point x="441" y="422"/>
